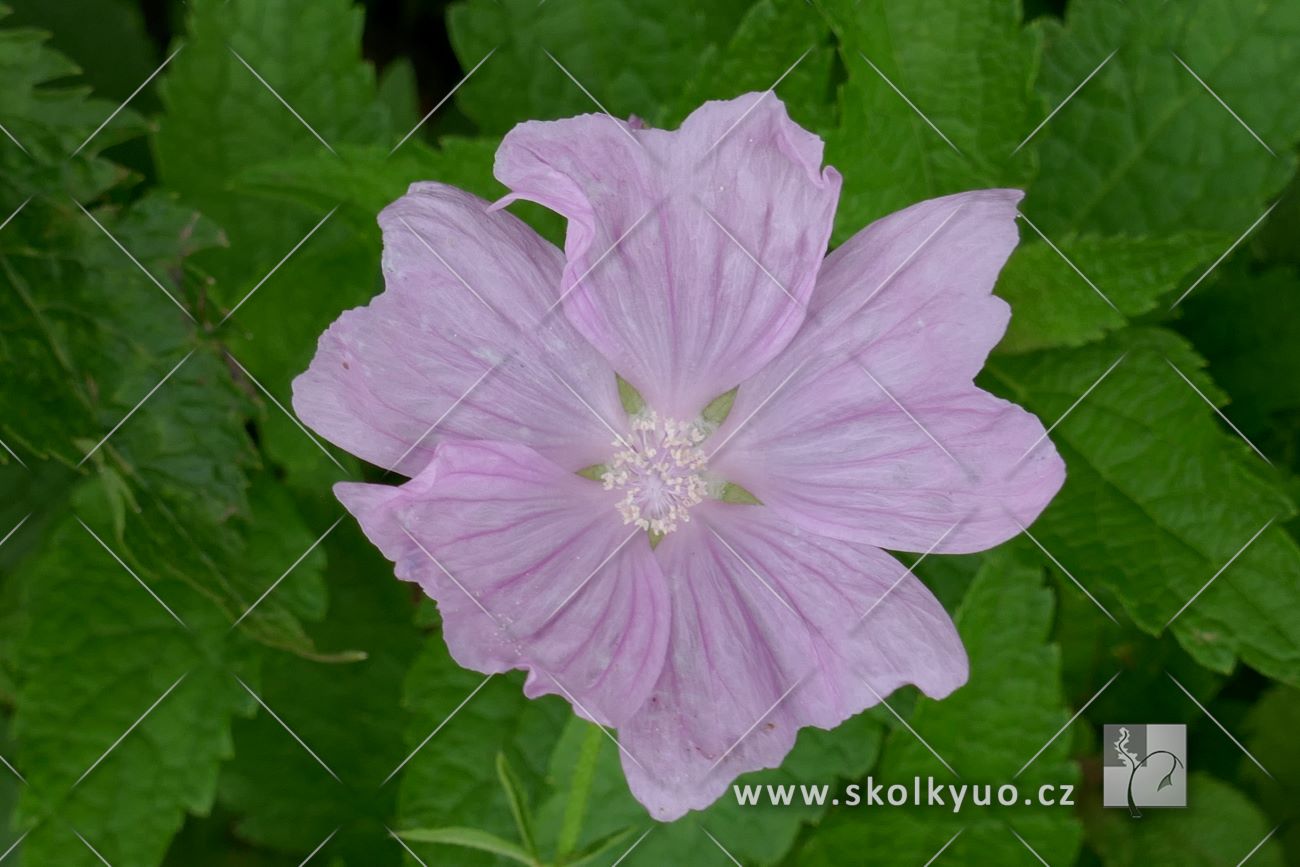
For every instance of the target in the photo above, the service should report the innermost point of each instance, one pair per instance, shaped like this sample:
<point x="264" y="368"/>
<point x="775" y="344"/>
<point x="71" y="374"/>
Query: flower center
<point x="659" y="469"/>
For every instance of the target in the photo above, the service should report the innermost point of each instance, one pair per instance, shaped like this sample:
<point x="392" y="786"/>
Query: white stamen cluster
<point x="660" y="469"/>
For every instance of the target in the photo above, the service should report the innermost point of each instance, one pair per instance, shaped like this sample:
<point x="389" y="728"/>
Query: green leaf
<point x="966" y="67"/>
<point x="575" y="808"/>
<point x="757" y="834"/>
<point x="281" y="797"/>
<point x="1131" y="150"/>
<point x="95" y="655"/>
<point x="987" y="730"/>
<point x="785" y="43"/>
<point x="451" y="779"/>
<point x="1269" y="734"/>
<point x="1219" y="826"/>
<point x="633" y="58"/>
<point x="1054" y="305"/>
<point x="1159" y="497"/>
<point x="469" y="838"/>
<point x="518" y="802"/>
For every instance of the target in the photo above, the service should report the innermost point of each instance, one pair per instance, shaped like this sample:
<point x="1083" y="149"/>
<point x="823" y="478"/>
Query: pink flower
<point x="693" y="264"/>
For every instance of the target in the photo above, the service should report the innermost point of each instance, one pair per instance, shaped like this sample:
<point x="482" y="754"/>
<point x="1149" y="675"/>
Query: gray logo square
<point x="1144" y="766"/>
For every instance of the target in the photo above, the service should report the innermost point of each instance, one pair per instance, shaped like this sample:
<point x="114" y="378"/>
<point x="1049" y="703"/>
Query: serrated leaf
<point x="965" y="67"/>
<point x="96" y="654"/>
<point x="1159" y="497"/>
<point x="1011" y="706"/>
<point x="1053" y="305"/>
<point x="633" y="58"/>
<point x="1129" y="151"/>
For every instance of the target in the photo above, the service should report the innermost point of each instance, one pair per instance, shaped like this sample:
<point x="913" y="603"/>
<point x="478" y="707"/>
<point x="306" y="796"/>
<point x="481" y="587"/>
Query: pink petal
<point x="653" y="279"/>
<point x="868" y="426"/>
<point x="768" y="635"/>
<point x="531" y="568"/>
<point x="452" y="342"/>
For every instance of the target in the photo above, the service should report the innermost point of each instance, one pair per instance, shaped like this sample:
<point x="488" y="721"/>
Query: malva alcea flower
<point x="607" y="554"/>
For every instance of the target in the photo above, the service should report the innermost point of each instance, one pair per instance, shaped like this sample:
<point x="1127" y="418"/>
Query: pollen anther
<point x="660" y="470"/>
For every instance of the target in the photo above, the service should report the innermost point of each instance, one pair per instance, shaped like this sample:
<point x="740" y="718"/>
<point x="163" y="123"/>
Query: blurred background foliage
<point x="202" y="236"/>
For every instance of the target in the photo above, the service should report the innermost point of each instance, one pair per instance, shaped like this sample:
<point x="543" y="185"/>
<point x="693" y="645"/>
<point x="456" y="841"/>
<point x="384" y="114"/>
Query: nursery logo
<point x="1144" y="766"/>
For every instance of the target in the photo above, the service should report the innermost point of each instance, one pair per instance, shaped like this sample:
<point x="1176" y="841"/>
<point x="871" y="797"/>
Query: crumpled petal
<point x="868" y="427"/>
<point x="531" y="568"/>
<point x="452" y="342"/>
<point x="690" y="254"/>
<point x="768" y="635"/>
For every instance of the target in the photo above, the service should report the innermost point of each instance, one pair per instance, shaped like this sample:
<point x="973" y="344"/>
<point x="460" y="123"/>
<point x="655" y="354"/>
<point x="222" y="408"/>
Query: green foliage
<point x="145" y="391"/>
<point x="987" y="732"/>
